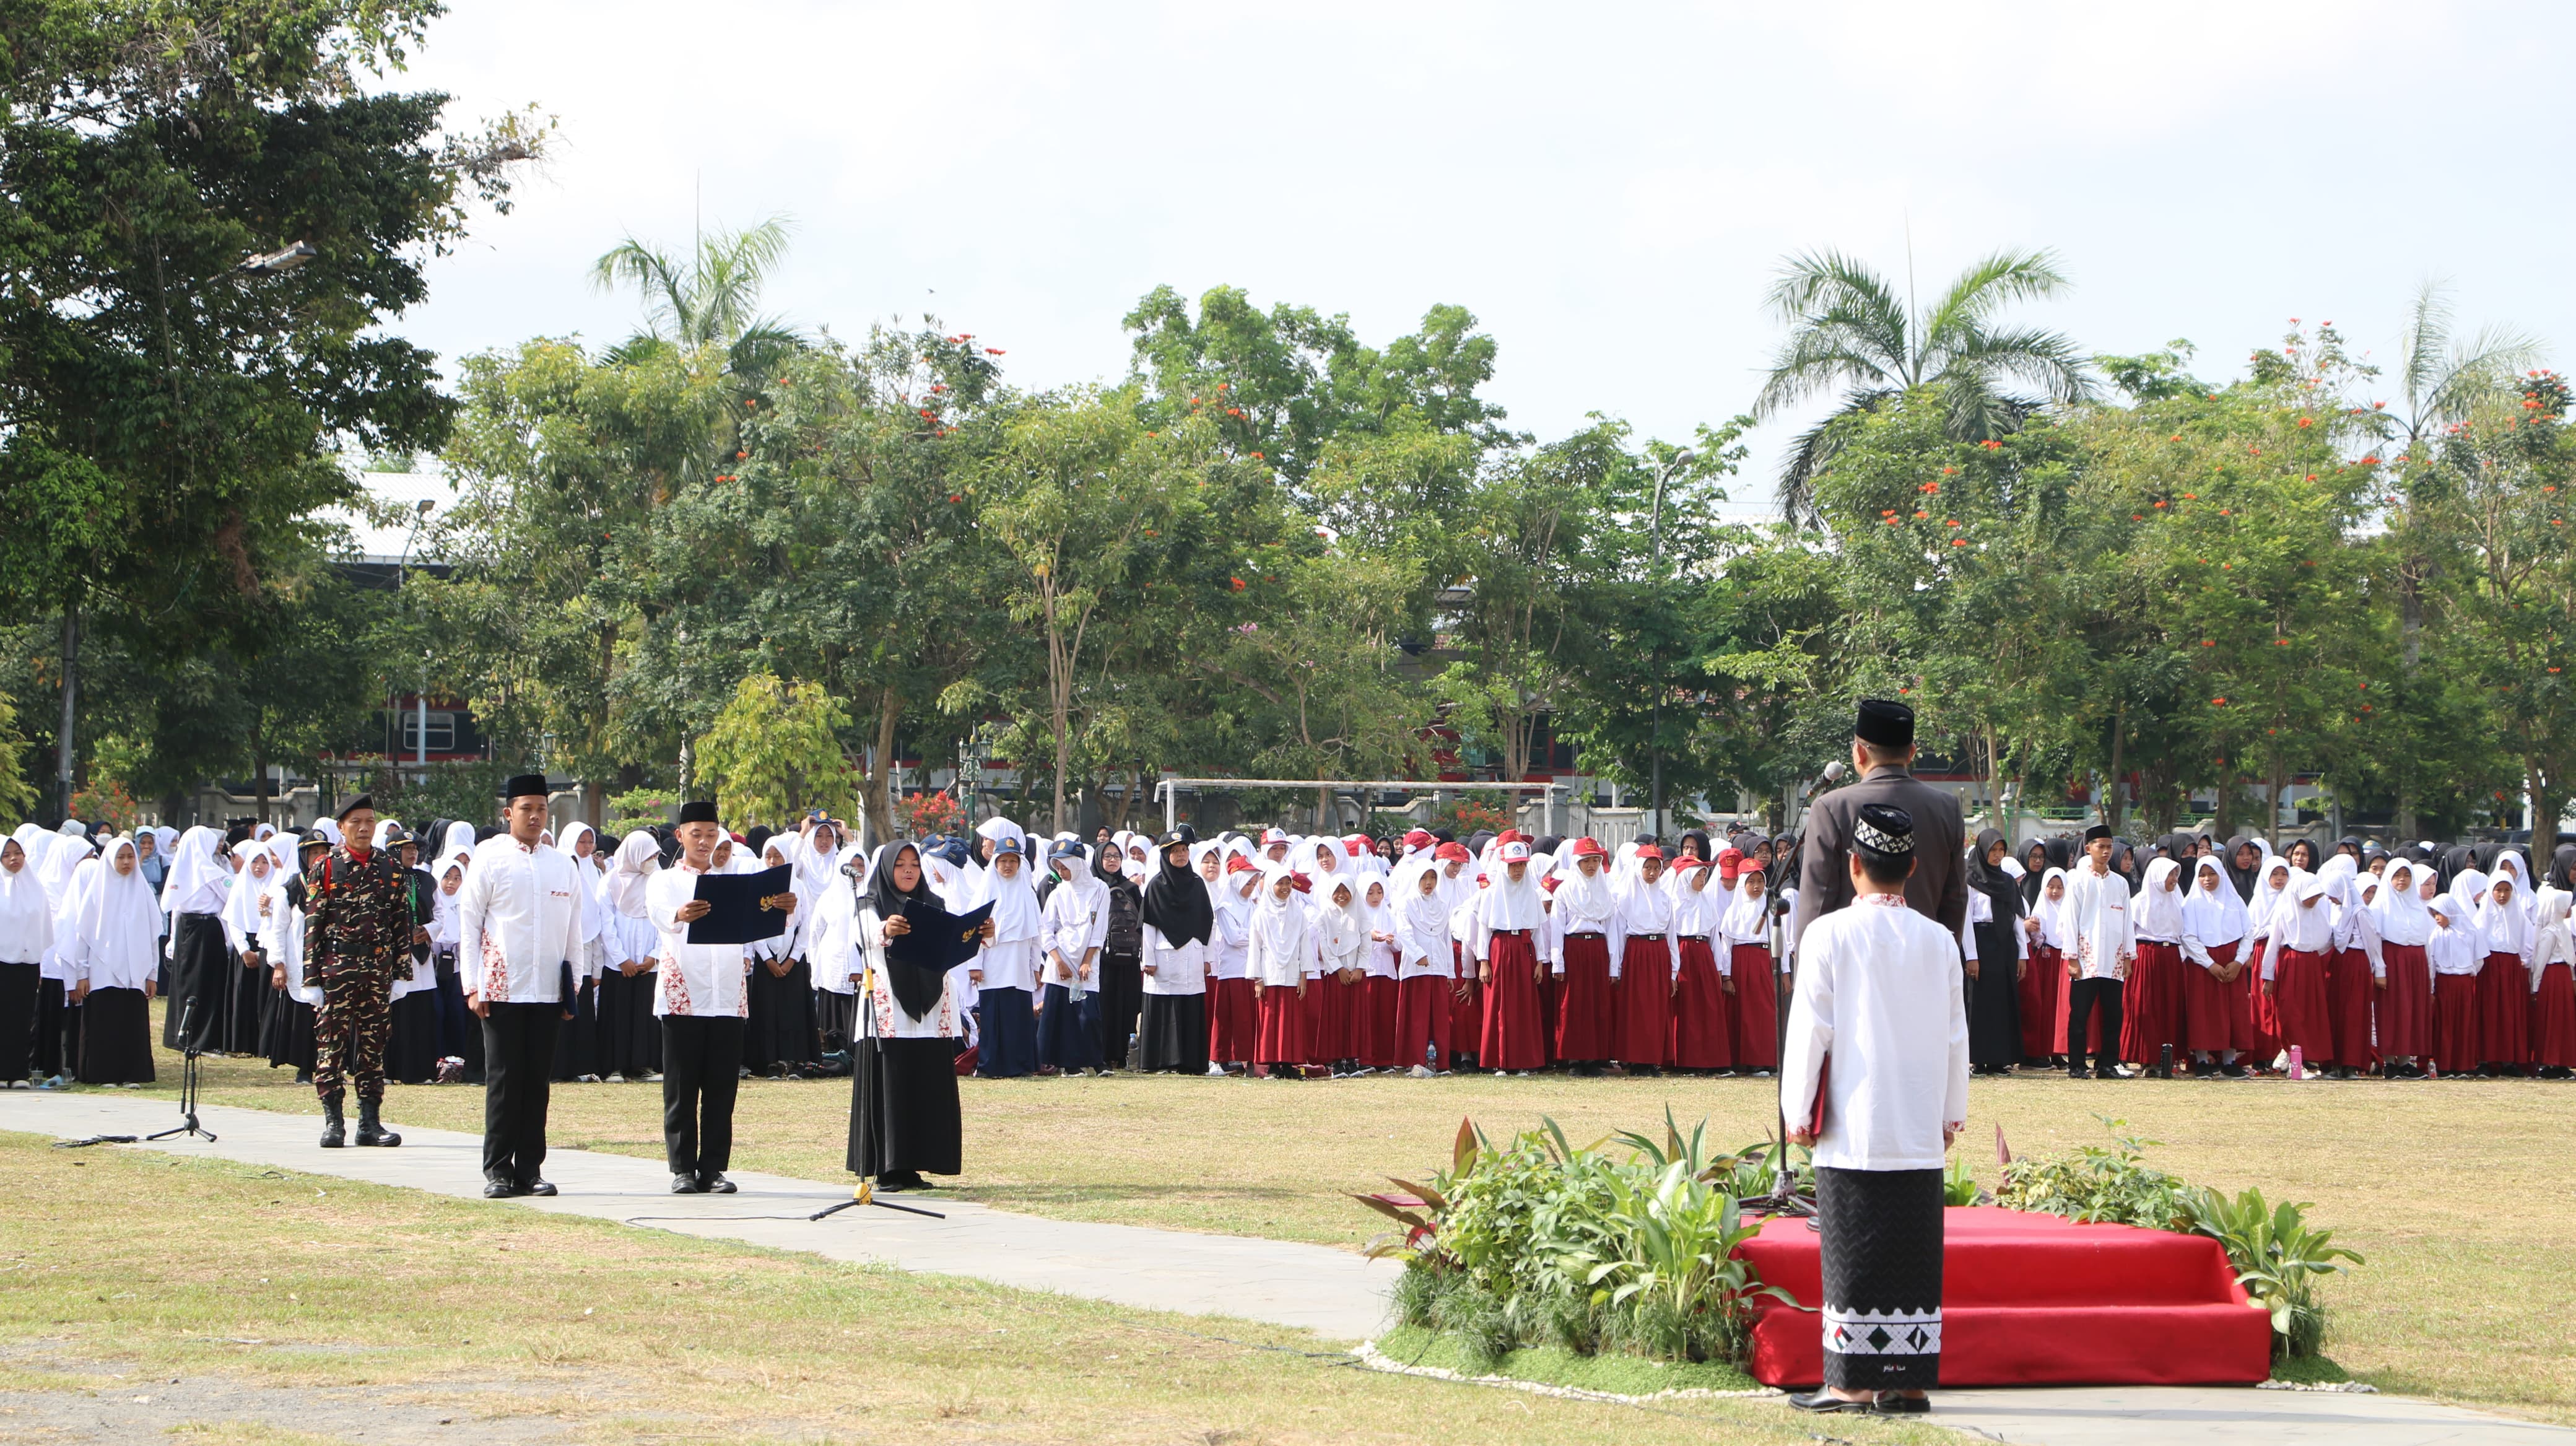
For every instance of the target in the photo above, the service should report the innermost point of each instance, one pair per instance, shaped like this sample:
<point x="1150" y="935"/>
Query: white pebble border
<point x="1372" y="1358"/>
<point x="1376" y="1360"/>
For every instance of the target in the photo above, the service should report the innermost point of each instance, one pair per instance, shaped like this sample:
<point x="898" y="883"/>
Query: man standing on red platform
<point x="1878" y="1033"/>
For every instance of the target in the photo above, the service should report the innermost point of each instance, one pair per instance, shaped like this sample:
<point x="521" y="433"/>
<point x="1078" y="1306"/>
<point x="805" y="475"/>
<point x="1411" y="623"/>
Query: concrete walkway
<point x="1334" y="1293"/>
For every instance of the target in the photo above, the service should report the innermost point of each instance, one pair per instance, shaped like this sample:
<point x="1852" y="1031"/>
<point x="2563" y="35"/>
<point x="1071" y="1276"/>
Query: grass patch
<point x="1557" y="1366"/>
<point x="2462" y="1300"/>
<point x="612" y="1334"/>
<point x="2309" y="1370"/>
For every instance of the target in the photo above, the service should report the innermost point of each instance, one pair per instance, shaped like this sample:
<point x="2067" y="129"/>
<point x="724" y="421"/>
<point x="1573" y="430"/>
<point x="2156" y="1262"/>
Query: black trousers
<point x="518" y="1058"/>
<point x="2083" y="996"/>
<point x="701" y="1070"/>
<point x="1122" y="994"/>
<point x="201" y="970"/>
<point x="19" y="989"/>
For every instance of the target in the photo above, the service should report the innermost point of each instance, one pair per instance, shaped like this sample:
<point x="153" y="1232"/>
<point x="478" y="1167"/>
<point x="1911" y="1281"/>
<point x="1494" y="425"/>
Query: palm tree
<point x="2444" y="375"/>
<point x="1849" y="329"/>
<point x="709" y="301"/>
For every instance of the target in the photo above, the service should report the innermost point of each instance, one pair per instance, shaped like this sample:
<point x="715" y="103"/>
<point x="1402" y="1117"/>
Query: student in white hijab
<point x="1234" y="1021"/>
<point x="193" y="894"/>
<point x="1507" y="913"/>
<point x="2405" y="1008"/>
<point x="1284" y="964"/>
<point x="2553" y="989"/>
<point x="58" y="1011"/>
<point x="287" y="1039"/>
<point x="26" y="936"/>
<point x="630" y="1039"/>
<point x="834" y="954"/>
<point x="2456" y="952"/>
<point x="1006" y="973"/>
<point x="254" y="869"/>
<point x="1426" y="967"/>
<point x="2506" y="917"/>
<point x="778" y="1034"/>
<point x="115" y="946"/>
<point x="1072" y="926"/>
<point x="2218" y="980"/>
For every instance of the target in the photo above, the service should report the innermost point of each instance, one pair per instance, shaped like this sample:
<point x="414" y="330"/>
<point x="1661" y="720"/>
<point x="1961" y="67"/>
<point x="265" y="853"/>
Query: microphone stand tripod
<point x="866" y="1194"/>
<point x="187" y="1083"/>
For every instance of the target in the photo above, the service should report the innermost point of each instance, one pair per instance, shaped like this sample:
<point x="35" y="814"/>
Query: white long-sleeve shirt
<point x="1174" y="968"/>
<point x="698" y="980"/>
<point x="1879" y="989"/>
<point x="2096" y="912"/>
<point x="518" y="922"/>
<point x="1639" y="908"/>
<point x="2306" y="925"/>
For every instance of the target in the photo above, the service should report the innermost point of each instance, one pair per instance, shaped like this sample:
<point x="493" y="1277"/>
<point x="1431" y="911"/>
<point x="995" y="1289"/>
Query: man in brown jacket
<point x="1883" y="755"/>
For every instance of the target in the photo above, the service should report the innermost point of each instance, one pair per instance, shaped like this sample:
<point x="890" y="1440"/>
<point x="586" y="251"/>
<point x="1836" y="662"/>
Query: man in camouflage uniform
<point x="358" y="935"/>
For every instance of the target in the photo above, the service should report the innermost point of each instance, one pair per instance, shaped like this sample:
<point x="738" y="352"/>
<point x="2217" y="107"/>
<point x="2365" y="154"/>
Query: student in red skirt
<point x="2456" y="954"/>
<point x="1425" y="969"/>
<point x="1587" y="1013"/>
<point x="1506" y="914"/>
<point x="1282" y="961"/>
<point x="2294" y="971"/>
<point x="2356" y="971"/>
<point x="2405" y="1016"/>
<point x="1641" y="932"/>
<point x="2043" y="984"/>
<point x="1459" y="883"/>
<point x="2553" y="991"/>
<point x="2218" y="1005"/>
<point x="1234" y="1022"/>
<point x="1373" y="1033"/>
<point x="2151" y="1021"/>
<point x="2504" y="984"/>
<point x="1744" y="936"/>
<point x="2271" y="899"/>
<point x="2052" y="948"/>
<point x="1332" y="1006"/>
<point x="1702" y="996"/>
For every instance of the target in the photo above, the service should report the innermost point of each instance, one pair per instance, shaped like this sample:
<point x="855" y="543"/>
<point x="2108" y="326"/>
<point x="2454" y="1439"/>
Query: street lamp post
<point x="1655" y="528"/>
<point x="262" y="267"/>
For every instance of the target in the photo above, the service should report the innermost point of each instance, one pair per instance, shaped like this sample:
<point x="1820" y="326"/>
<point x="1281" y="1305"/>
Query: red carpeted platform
<point x="2038" y="1300"/>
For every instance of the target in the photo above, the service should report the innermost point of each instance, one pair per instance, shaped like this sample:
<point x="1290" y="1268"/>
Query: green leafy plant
<point x="639" y="808"/>
<point x="2278" y="1257"/>
<point x="1540" y="1241"/>
<point x="2099" y="1184"/>
<point x="1958" y="1187"/>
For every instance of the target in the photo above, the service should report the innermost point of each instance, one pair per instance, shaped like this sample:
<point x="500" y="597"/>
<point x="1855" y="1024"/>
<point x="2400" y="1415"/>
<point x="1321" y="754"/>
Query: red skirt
<point x="2268" y="1043"/>
<point x="1702" y="1036"/>
<point x="1511" y="1037"/>
<point x="2349" y="987"/>
<point x="2215" y="1012"/>
<point x="1466" y="1006"/>
<point x="2299" y="1002"/>
<point x="1374" y="1039"/>
<point x="2406" y="1005"/>
<point x="1234" y="1022"/>
<point x="1645" y="1003"/>
<point x="1283" y="1027"/>
<point x="1587" y="1010"/>
<point x="1551" y="1007"/>
<point x="2151" y="1003"/>
<point x="1757" y="1007"/>
<point x="2043" y="988"/>
<point x="1331" y="1007"/>
<point x="2504" y="1011"/>
<point x="2553" y="1019"/>
<point x="1422" y="1015"/>
<point x="2455" y="1023"/>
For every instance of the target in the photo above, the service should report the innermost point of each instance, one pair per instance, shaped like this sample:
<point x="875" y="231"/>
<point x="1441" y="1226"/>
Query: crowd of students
<point x="2227" y="959"/>
<point x="1289" y="956"/>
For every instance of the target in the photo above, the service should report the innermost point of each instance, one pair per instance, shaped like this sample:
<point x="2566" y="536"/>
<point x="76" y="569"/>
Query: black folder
<point x="939" y="939"/>
<point x="736" y="913"/>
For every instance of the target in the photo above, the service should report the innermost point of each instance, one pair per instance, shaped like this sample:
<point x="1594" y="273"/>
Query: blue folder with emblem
<point x="738" y="909"/>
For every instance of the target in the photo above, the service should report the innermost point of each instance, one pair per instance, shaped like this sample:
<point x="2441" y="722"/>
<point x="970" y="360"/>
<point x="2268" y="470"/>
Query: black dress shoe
<point x="1826" y="1402"/>
<point x="537" y="1187"/>
<point x="499" y="1189"/>
<point x="716" y="1184"/>
<point x="686" y="1185"/>
<point x="1893" y="1404"/>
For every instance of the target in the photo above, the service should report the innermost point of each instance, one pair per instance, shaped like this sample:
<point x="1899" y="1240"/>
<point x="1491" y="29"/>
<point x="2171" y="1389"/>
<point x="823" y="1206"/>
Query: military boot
<point x="335" y="1130"/>
<point x="371" y="1131"/>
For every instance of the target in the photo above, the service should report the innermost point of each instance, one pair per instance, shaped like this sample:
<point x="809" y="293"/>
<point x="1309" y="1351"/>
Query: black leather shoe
<point x="537" y="1187"/>
<point x="499" y="1189"/>
<point x="1892" y="1404"/>
<point x="1825" y="1402"/>
<point x="716" y="1184"/>
<point x="686" y="1185"/>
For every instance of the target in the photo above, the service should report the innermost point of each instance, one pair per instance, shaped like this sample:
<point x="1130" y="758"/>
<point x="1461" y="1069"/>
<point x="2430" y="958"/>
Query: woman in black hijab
<point x="903" y="1066"/>
<point x="1994" y="981"/>
<point x="1179" y="917"/>
<point x="2562" y="868"/>
<point x="2034" y="871"/>
<point x="2244" y="864"/>
<point x="1121" y="987"/>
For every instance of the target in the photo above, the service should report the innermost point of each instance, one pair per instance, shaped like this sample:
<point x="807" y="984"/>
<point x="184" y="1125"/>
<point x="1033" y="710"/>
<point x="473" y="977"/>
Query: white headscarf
<point x="26" y="911"/>
<point x="2051" y="913"/>
<point x="241" y="906"/>
<point x="2509" y="929"/>
<point x="459" y="839"/>
<point x="2553" y="941"/>
<point x="196" y="864"/>
<point x="2526" y="889"/>
<point x="2402" y="918"/>
<point x="1745" y="917"/>
<point x="2214" y="918"/>
<point x="2160" y="907"/>
<point x="639" y="856"/>
<point x="118" y="933"/>
<point x="1280" y="924"/>
<point x="1016" y="915"/>
<point x="2268" y="900"/>
<point x="1502" y="904"/>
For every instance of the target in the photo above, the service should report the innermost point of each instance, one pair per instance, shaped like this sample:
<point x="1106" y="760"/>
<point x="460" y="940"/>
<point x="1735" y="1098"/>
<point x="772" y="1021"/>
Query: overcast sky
<point x="1608" y="188"/>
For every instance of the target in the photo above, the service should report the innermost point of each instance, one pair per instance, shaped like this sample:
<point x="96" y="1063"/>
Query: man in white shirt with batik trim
<point x="1878" y="1032"/>
<point x="2096" y="913"/>
<point x="518" y="924"/>
<point x="702" y="1004"/>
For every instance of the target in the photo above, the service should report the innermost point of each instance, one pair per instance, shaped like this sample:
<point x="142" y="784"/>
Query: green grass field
<point x="2454" y="1191"/>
